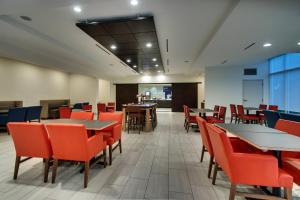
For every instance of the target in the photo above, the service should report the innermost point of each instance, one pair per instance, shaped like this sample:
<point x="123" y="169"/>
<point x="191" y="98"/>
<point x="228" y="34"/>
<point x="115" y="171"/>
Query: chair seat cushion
<point x="193" y="119"/>
<point x="292" y="166"/>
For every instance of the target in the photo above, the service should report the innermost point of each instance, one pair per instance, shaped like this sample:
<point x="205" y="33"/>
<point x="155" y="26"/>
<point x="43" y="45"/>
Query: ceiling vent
<point x="250" y="72"/>
<point x="249" y="46"/>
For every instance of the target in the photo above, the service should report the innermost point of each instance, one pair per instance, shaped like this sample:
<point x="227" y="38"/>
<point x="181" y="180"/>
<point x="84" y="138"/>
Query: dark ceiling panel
<point x="130" y="35"/>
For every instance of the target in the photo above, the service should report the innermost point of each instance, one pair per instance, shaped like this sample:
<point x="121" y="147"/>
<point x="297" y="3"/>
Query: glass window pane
<point x="277" y="93"/>
<point x="292" y="60"/>
<point x="293" y="90"/>
<point x="277" y="64"/>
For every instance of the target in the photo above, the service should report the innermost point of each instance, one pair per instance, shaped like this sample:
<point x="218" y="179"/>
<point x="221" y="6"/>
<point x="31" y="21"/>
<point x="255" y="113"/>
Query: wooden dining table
<point x="248" y="109"/>
<point x="148" y="107"/>
<point x="265" y="139"/>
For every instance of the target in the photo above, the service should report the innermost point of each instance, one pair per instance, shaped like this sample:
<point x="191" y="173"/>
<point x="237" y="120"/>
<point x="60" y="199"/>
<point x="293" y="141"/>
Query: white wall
<point x="84" y="89"/>
<point x="224" y="85"/>
<point x="30" y="84"/>
<point x="105" y="89"/>
<point x="161" y="79"/>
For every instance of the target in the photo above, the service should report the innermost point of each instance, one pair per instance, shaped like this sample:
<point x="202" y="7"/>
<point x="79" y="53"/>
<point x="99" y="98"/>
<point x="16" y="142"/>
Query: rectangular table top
<point x="4" y="111"/>
<point x="201" y="110"/>
<point x="95" y="125"/>
<point x="251" y="108"/>
<point x="264" y="138"/>
<point x="145" y="105"/>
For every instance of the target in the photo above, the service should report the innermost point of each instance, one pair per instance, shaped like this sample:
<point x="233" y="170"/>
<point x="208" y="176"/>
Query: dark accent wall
<point x="125" y="93"/>
<point x="184" y="94"/>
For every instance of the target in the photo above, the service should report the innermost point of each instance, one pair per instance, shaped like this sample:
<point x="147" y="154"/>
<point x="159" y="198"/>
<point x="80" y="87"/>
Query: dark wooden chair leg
<point x="188" y="127"/>
<point x="232" y="191"/>
<point x="17" y="165"/>
<point x="231" y="119"/>
<point x="288" y="193"/>
<point x="104" y="158"/>
<point x="110" y="154"/>
<point x="215" y="173"/>
<point x="211" y="162"/>
<point x="46" y="170"/>
<point x="202" y="153"/>
<point x="86" y="173"/>
<point x="120" y="145"/>
<point x="54" y="170"/>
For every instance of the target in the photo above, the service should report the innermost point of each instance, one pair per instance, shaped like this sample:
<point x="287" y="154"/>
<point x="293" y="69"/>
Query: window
<point x="285" y="81"/>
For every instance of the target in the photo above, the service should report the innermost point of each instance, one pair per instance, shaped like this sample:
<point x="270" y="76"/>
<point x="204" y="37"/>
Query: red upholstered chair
<point x="30" y="140"/>
<point x="216" y="111"/>
<point x="70" y="142"/>
<point x="245" y="118"/>
<point x="65" y="112"/>
<point x="273" y="107"/>
<point x="260" y="113"/>
<point x="234" y="115"/>
<point x="82" y="115"/>
<point x="101" y="107"/>
<point x="247" y="169"/>
<point x="87" y="107"/>
<point x="191" y="119"/>
<point x="262" y="107"/>
<point x="112" y="134"/>
<point x="111" y="107"/>
<point x="238" y="145"/>
<point x="221" y="117"/>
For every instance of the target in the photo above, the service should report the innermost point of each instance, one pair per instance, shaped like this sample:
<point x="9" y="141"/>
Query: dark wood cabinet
<point x="125" y="93"/>
<point x="184" y="94"/>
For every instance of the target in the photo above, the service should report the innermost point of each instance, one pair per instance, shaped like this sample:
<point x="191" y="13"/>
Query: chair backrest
<point x="291" y="117"/>
<point x="287" y="126"/>
<point x="114" y="116"/>
<point x="262" y="107"/>
<point x="184" y="110"/>
<point x="204" y="134"/>
<point x="17" y="115"/>
<point x="240" y="110"/>
<point x="117" y="132"/>
<point x="65" y="112"/>
<point x="271" y="117"/>
<point x="101" y="107"/>
<point x="273" y="107"/>
<point x="111" y="104"/>
<point x="30" y="139"/>
<point x="233" y="110"/>
<point x="33" y="113"/>
<point x="86" y="103"/>
<point x="188" y="112"/>
<point x="69" y="141"/>
<point x="222" y="147"/>
<point x="82" y="115"/>
<point x="216" y="108"/>
<point x="77" y="106"/>
<point x="222" y="113"/>
<point x="87" y="107"/>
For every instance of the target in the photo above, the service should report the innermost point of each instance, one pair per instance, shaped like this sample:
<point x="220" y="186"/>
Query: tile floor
<point x="163" y="164"/>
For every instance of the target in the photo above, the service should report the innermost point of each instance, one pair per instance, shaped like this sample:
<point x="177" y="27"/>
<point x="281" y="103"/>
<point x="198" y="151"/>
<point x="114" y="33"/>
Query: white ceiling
<point x="204" y="32"/>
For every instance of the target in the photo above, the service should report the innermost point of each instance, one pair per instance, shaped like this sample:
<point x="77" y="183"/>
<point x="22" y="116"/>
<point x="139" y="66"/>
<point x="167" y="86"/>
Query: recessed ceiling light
<point x="267" y="44"/>
<point x="134" y="66"/>
<point x="298" y="43"/>
<point x="141" y="72"/>
<point x="158" y="71"/>
<point x="128" y="60"/>
<point x="156" y="65"/>
<point x="134" y="2"/>
<point x="154" y="59"/>
<point x="77" y="9"/>
<point x="149" y="45"/>
<point x="113" y="47"/>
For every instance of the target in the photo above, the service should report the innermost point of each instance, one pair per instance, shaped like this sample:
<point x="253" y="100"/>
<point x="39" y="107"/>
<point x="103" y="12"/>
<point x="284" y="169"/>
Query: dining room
<point x="137" y="99"/>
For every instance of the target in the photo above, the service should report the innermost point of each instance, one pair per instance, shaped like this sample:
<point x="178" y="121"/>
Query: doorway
<point x="252" y="93"/>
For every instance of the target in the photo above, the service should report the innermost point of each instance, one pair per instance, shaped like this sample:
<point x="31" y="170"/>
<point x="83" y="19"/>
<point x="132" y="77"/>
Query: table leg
<point x="148" y="123"/>
<point x="124" y="119"/>
<point x="276" y="191"/>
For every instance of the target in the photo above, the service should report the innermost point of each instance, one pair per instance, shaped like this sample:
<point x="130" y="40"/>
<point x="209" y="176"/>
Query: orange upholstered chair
<point x="111" y="107"/>
<point x="87" y="107"/>
<point x="30" y="140"/>
<point x="112" y="134"/>
<point x="70" y="142"/>
<point x="101" y="107"/>
<point x="273" y="107"/>
<point x="290" y="160"/>
<point x="82" y="115"/>
<point x="245" y="168"/>
<point x="65" y="112"/>
<point x="220" y="117"/>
